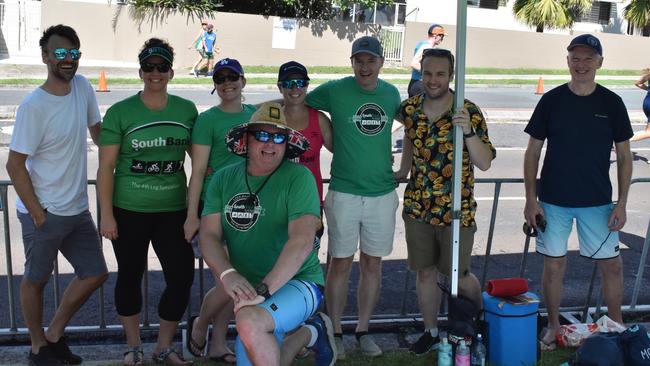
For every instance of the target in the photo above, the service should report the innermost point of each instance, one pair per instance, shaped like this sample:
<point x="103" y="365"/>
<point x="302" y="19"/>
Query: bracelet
<point x="224" y="273"/>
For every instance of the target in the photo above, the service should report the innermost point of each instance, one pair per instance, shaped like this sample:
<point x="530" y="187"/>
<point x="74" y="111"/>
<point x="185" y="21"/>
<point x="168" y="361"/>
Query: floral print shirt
<point x="428" y="193"/>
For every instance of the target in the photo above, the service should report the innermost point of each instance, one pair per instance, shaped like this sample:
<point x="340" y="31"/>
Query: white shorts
<point x="351" y="217"/>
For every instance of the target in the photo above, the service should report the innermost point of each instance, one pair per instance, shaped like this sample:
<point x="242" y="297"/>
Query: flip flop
<point x="192" y="345"/>
<point x="224" y="358"/>
<point x="546" y="346"/>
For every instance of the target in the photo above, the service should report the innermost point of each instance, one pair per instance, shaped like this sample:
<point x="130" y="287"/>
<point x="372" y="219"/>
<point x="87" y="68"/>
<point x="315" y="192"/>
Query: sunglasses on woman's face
<point x="264" y="136"/>
<point x="298" y="83"/>
<point x="163" y="68"/>
<point x="220" y="79"/>
<point x="62" y="53"/>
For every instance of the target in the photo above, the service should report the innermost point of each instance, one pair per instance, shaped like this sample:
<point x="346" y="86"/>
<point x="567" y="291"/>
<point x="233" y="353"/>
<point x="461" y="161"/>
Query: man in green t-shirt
<point x="361" y="203"/>
<point x="266" y="209"/>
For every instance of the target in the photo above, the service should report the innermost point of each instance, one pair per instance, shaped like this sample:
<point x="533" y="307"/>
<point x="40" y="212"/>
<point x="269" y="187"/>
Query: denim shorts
<point x="75" y="237"/>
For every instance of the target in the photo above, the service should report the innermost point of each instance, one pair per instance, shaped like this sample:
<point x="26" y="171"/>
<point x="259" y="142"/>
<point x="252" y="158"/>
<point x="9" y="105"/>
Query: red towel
<point x="505" y="287"/>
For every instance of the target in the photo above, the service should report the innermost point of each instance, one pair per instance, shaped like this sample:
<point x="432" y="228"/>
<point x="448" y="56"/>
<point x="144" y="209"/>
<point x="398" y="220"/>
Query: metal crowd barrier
<point x="399" y="317"/>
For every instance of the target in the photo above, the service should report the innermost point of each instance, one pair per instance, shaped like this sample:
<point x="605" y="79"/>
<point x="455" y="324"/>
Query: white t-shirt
<point x="52" y="131"/>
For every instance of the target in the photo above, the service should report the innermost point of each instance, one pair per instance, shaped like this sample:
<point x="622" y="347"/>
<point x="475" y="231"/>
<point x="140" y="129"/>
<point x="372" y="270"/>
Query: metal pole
<point x="522" y="265"/>
<point x="459" y="102"/>
<point x="10" y="272"/>
<point x="493" y="219"/>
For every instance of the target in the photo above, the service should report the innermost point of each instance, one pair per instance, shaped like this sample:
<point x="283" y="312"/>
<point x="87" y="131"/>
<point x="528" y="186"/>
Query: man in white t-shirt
<point x="48" y="167"/>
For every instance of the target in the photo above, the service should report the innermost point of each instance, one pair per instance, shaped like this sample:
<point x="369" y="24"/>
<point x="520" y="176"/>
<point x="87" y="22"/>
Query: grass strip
<point x="271" y="81"/>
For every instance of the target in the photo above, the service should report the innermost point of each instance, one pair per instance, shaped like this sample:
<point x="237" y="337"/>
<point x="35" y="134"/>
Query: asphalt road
<point x="507" y="244"/>
<point x="486" y="97"/>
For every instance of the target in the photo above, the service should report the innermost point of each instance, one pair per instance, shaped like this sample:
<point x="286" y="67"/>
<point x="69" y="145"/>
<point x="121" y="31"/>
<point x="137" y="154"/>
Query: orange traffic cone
<point x="540" y="86"/>
<point x="101" y="84"/>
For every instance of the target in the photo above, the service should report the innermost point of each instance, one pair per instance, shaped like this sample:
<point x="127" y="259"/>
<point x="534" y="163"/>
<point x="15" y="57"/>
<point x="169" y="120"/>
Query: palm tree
<point x="637" y="13"/>
<point x="558" y="14"/>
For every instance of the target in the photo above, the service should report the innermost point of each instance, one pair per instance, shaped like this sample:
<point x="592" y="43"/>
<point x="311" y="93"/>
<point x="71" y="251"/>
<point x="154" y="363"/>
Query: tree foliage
<point x="551" y="14"/>
<point x="638" y="13"/>
<point x="303" y="9"/>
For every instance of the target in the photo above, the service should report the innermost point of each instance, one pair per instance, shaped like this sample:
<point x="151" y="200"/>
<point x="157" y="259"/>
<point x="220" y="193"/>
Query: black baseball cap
<point x="292" y="68"/>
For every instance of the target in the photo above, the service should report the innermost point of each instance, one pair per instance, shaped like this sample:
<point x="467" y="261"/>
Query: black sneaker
<point x="425" y="344"/>
<point x="62" y="351"/>
<point x="45" y="357"/>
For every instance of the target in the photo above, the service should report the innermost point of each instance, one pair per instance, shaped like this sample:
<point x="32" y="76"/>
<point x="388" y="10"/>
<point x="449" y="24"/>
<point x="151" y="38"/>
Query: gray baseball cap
<point x="367" y="44"/>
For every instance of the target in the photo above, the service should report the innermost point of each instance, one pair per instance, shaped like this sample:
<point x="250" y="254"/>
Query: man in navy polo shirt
<point x="580" y="120"/>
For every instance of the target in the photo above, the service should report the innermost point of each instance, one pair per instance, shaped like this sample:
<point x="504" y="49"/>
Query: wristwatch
<point x="470" y="134"/>
<point x="263" y="290"/>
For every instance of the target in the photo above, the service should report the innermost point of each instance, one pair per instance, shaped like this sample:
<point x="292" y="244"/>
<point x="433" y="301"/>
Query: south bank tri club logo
<point x="242" y="211"/>
<point x="370" y="119"/>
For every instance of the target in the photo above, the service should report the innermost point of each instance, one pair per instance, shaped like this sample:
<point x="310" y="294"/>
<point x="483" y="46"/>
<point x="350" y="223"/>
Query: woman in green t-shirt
<point x="209" y="154"/>
<point x="142" y="192"/>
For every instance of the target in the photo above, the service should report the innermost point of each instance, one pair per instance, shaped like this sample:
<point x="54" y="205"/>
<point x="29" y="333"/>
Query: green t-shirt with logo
<point x="256" y="230"/>
<point x="211" y="128"/>
<point x="149" y="174"/>
<point x="361" y="126"/>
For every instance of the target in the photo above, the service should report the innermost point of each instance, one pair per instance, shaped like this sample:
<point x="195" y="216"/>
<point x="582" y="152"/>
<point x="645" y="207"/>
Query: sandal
<point x="164" y="357"/>
<point x="137" y="358"/>
<point x="544" y="345"/>
<point x="193" y="347"/>
<point x="227" y="357"/>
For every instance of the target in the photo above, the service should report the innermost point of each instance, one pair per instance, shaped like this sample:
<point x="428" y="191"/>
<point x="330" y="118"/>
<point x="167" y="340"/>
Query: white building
<point x="605" y="16"/>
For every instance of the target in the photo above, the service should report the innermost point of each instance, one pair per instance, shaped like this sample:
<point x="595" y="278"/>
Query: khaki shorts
<point x="361" y="222"/>
<point x="430" y="246"/>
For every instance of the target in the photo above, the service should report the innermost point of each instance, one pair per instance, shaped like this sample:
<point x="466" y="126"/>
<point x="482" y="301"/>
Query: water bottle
<point x="462" y="354"/>
<point x="444" y="352"/>
<point x="478" y="352"/>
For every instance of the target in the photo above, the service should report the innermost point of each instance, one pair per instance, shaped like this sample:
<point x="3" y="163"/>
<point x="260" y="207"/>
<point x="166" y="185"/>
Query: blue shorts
<point x="74" y="236"/>
<point x="290" y="306"/>
<point x="596" y="241"/>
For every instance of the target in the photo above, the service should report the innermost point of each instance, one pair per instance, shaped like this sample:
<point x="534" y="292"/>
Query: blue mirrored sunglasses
<point x="265" y="136"/>
<point x="299" y="83"/>
<point x="61" y="53"/>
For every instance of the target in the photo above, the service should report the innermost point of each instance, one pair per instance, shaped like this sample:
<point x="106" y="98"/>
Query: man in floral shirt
<point x="429" y="120"/>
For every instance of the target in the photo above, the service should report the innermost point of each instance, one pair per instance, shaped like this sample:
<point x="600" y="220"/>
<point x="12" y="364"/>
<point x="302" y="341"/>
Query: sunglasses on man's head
<point x="220" y="79"/>
<point x="62" y="53"/>
<point x="264" y="136"/>
<point x="298" y="83"/>
<point x="163" y="68"/>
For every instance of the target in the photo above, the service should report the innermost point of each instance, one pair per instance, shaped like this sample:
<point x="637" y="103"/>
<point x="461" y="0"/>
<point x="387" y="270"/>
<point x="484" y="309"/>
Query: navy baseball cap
<point x="230" y="64"/>
<point x="586" y="40"/>
<point x="291" y="68"/>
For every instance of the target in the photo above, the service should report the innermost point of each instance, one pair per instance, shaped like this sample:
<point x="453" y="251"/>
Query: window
<point x="486" y="4"/>
<point x="601" y="12"/>
<point x="386" y="15"/>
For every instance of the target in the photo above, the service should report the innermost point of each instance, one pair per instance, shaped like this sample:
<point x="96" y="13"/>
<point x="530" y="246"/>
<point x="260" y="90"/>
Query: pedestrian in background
<point x="642" y="84"/>
<point x="142" y="192"/>
<point x="197" y="44"/>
